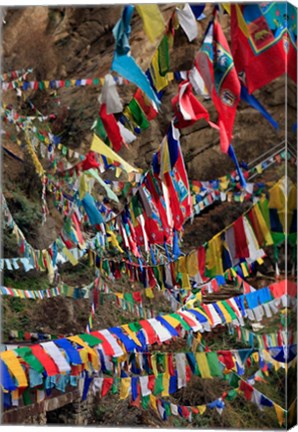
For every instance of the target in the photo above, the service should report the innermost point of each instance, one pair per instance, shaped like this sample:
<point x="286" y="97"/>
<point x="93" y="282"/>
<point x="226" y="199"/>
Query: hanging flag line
<point x="206" y="365"/>
<point x="23" y="84"/>
<point x="163" y="328"/>
<point x="16" y="74"/>
<point x="266" y="340"/>
<point x="198" y="206"/>
<point x="166" y="408"/>
<point x="130" y="266"/>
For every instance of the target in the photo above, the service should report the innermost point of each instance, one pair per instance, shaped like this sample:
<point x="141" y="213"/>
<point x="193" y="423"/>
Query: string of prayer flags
<point x="25" y="85"/>
<point x="48" y="357"/>
<point x="13" y="75"/>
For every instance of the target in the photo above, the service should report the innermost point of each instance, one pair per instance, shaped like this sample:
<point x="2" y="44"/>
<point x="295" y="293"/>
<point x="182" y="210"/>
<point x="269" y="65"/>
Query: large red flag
<point x="216" y="65"/>
<point x="263" y="37"/>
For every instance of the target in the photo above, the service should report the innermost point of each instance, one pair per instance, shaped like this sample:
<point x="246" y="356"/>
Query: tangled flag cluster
<point x="144" y="237"/>
<point x="84" y="356"/>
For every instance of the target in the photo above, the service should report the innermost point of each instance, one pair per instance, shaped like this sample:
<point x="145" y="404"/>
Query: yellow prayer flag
<point x="182" y="264"/>
<point x="84" y="357"/>
<point x="171" y="320"/>
<point x="199" y="297"/>
<point x="92" y="352"/>
<point x="131" y="334"/>
<point x="192" y="263"/>
<point x="185" y="281"/>
<point x="280" y="414"/>
<point x="259" y="169"/>
<point x="224" y="311"/>
<point x="165" y="384"/>
<point x="12" y="362"/>
<point x="292" y="413"/>
<point x="149" y="292"/>
<point x="153" y="21"/>
<point x="244" y="269"/>
<point x="100" y="147"/>
<point x="15" y="395"/>
<point x="153" y="363"/>
<point x="83" y="187"/>
<point x="201" y="409"/>
<point x="70" y="256"/>
<point x="203" y="365"/>
<point x="113" y="239"/>
<point x="153" y="402"/>
<point x="160" y="82"/>
<point x="125" y="387"/>
<point x="213" y="256"/>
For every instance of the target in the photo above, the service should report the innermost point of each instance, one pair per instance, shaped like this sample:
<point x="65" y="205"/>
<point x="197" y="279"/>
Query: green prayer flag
<point x="129" y="298"/>
<point x="100" y="130"/>
<point x="136" y="206"/>
<point x="138" y="114"/>
<point x="135" y="326"/>
<point x="167" y="407"/>
<point x="105" y="266"/>
<point x="182" y="322"/>
<point x="160" y="360"/>
<point x="115" y="385"/>
<point x="157" y="275"/>
<point x="264" y="207"/>
<point x="234" y="380"/>
<point x="126" y="189"/>
<point x="213" y="364"/>
<point x="229" y="309"/>
<point x="145" y="402"/>
<point x="26" y="397"/>
<point x="90" y="339"/>
<point x="26" y="354"/>
<point x="163" y="56"/>
<point x="232" y="394"/>
<point x="158" y="387"/>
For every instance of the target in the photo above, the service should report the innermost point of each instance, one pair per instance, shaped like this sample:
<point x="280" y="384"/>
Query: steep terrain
<point x="73" y="43"/>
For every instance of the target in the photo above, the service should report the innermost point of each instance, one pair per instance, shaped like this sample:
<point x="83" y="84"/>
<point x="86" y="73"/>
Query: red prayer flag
<point x="263" y="42"/>
<point x="111" y="127"/>
<point x="216" y="65"/>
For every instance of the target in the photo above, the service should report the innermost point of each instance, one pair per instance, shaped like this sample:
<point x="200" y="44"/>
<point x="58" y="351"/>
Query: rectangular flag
<point x="263" y="37"/>
<point x="216" y="66"/>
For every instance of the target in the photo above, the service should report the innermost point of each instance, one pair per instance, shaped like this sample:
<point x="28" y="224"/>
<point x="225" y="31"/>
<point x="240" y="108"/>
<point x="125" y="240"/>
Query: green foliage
<point x="99" y="413"/>
<point x="26" y="214"/>
<point x="28" y="282"/>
